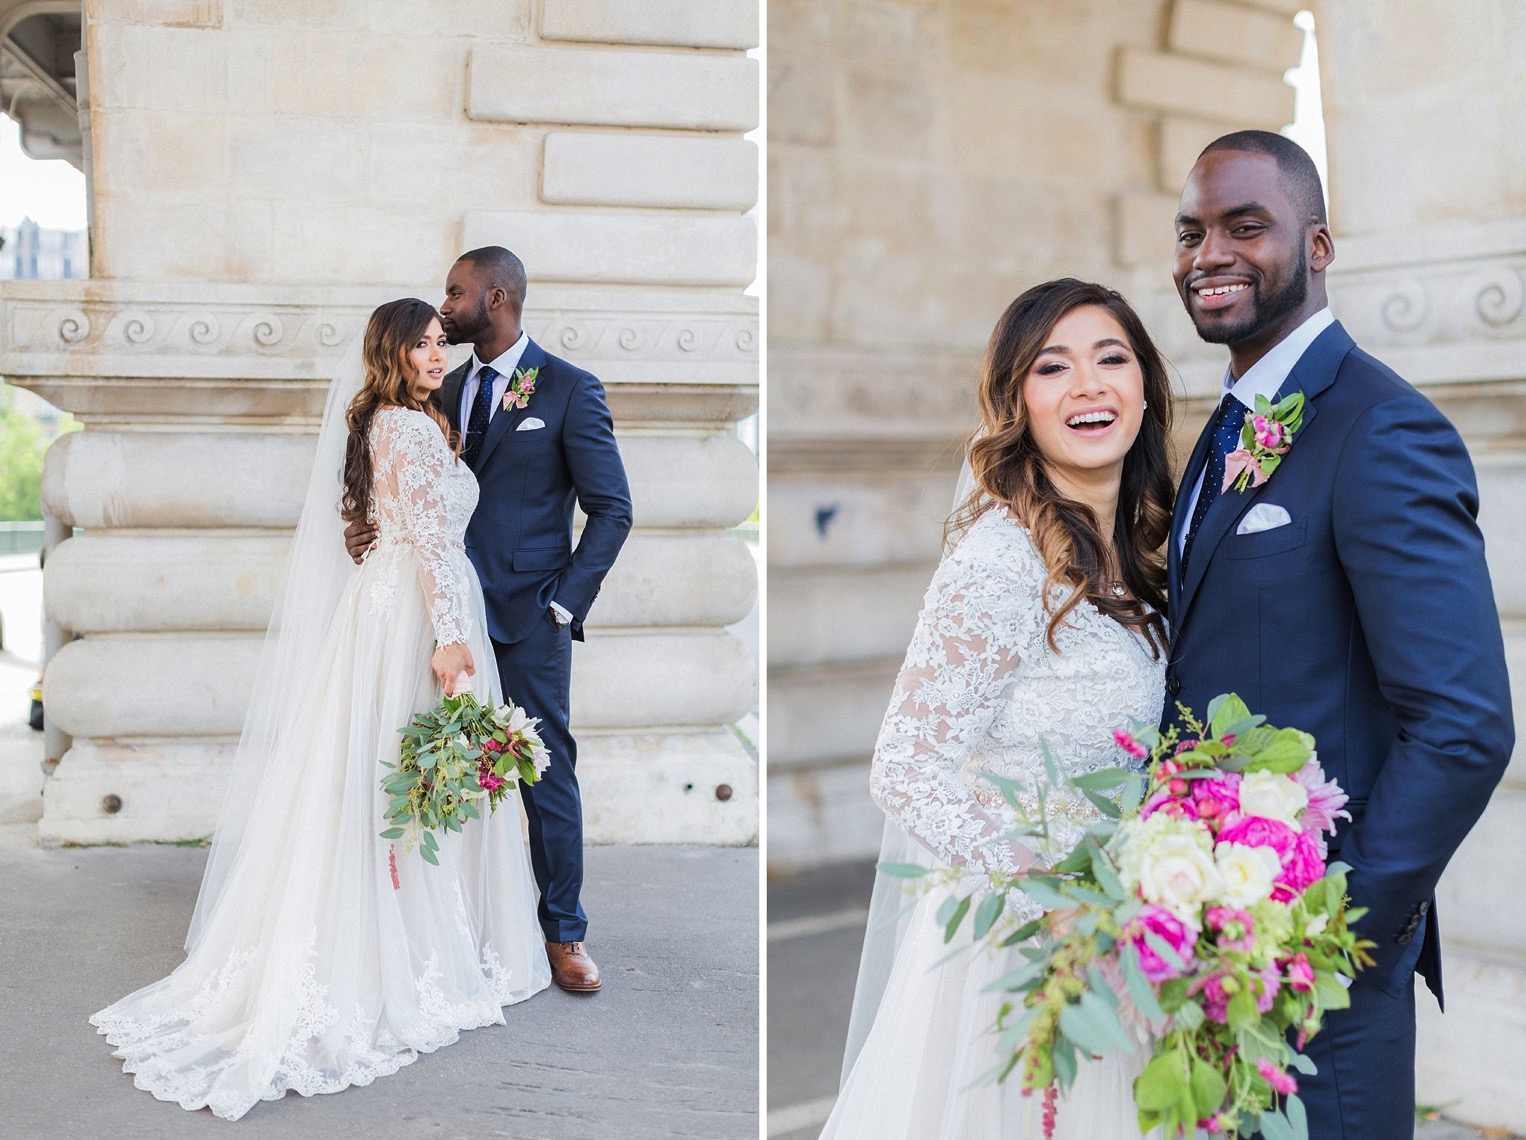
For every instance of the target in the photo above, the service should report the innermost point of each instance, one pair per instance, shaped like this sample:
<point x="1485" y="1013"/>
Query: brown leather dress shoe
<point x="572" y="968"/>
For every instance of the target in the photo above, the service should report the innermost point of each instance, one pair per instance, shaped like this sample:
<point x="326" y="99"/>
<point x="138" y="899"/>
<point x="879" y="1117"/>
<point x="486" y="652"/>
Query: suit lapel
<point x="450" y="394"/>
<point x="1314" y="372"/>
<point x="508" y="419"/>
<point x="1180" y="517"/>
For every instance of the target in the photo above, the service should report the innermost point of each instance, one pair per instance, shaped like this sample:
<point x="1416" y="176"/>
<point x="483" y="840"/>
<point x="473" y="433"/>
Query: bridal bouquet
<point x="453" y="757"/>
<point x="1199" y="915"/>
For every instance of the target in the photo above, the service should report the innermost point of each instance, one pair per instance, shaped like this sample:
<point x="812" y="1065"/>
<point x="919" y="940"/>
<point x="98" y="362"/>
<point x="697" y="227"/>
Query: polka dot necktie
<point x="480" y="415"/>
<point x="1226" y="437"/>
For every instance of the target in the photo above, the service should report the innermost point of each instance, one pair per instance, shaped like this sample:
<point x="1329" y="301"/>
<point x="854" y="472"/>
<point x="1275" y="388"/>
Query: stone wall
<point x="929" y="159"/>
<point x="262" y="175"/>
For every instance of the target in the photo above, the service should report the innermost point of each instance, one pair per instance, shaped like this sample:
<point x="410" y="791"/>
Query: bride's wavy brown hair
<point x="390" y="382"/>
<point x="1010" y="470"/>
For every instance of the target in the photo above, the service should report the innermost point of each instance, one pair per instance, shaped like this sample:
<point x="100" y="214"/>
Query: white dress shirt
<point x="504" y="365"/>
<point x="1263" y="378"/>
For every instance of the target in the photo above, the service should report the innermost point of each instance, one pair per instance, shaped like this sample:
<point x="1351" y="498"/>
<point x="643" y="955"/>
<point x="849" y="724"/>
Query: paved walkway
<point x="815" y="934"/>
<point x="668" y="1050"/>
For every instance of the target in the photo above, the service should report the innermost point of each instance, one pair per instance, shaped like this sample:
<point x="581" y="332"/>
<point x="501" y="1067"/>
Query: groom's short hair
<point x="1300" y="177"/>
<point x="501" y="268"/>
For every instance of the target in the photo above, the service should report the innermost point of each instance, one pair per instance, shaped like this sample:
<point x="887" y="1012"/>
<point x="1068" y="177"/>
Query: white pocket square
<point x="530" y="424"/>
<point x="1263" y="516"/>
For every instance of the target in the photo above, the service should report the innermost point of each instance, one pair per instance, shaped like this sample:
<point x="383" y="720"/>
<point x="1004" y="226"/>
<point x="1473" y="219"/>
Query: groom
<point x="1346" y="596"/>
<point x="538" y="434"/>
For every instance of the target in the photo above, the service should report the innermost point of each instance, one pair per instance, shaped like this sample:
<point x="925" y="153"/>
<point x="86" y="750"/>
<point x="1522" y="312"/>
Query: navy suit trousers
<point x="1365" y="1087"/>
<point x="536" y="672"/>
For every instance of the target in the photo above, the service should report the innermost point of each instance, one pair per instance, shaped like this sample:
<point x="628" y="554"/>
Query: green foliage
<point x="23" y="441"/>
<point x="445" y="756"/>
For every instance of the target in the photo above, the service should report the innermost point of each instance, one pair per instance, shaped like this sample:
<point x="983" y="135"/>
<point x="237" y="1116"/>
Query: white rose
<point x="1247" y="872"/>
<point x="1178" y="874"/>
<point x="1271" y="795"/>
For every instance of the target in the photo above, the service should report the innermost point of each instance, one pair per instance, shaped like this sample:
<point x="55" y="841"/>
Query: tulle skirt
<point x="312" y="971"/>
<point x="925" y="1071"/>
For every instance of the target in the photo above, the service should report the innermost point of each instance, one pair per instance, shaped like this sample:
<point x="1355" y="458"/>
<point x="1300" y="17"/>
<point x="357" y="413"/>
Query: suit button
<point x="1425" y="906"/>
<point x="1403" y="939"/>
<point x="1173" y="685"/>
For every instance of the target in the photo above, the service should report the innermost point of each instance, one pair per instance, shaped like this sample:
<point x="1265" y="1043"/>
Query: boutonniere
<point x="1264" y="440"/>
<point x="521" y="388"/>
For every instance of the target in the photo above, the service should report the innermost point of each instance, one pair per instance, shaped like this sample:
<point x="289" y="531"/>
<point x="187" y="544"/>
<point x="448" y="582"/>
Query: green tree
<point x="23" y="440"/>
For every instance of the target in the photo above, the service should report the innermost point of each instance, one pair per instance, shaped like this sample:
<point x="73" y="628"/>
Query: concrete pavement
<point x="668" y="1050"/>
<point x="815" y="934"/>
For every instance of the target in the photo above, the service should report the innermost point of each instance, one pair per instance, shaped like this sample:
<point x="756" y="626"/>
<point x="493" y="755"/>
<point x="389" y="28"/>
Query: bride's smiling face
<point x="1084" y="395"/>
<point x="427" y="359"/>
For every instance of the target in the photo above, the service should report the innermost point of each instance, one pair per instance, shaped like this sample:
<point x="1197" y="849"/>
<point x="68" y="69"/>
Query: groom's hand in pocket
<point x="359" y="538"/>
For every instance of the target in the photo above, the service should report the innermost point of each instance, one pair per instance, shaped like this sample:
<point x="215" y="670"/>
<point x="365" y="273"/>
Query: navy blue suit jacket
<point x="520" y="538"/>
<point x="1368" y="621"/>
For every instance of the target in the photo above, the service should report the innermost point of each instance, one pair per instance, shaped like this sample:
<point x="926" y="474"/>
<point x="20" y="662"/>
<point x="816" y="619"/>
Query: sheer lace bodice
<point x="421" y="500"/>
<point x="982" y="691"/>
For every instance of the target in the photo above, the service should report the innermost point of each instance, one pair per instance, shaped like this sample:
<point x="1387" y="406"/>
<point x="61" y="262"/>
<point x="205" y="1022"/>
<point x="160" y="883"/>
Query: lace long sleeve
<point x="982" y="612"/>
<point x="409" y="459"/>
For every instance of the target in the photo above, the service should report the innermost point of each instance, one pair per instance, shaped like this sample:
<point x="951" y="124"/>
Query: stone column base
<point x="637" y="788"/>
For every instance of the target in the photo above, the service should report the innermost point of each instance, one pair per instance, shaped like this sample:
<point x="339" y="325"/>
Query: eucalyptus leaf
<point x="1064" y="1060"/>
<point x="1103" y="780"/>
<point x="428" y="855"/>
<point x="904" y="870"/>
<point x="1140" y="991"/>
<point x="1275" y="1126"/>
<point x="392" y="833"/>
<point x="1024" y="932"/>
<point x="987" y="914"/>
<point x="1106" y="806"/>
<point x="952" y="927"/>
<point x="1298" y="1116"/>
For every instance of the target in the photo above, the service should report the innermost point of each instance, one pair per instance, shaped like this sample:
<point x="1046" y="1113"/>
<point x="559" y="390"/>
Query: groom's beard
<point x="466" y="327"/>
<point x="1264" y="310"/>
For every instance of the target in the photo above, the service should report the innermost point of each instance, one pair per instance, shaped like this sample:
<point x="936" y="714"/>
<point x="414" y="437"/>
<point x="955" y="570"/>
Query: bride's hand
<point x="1060" y="920"/>
<point x="449" y="662"/>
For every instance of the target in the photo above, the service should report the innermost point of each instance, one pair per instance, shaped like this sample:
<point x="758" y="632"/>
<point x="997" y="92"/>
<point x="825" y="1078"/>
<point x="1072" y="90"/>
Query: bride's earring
<point x="1145" y="405"/>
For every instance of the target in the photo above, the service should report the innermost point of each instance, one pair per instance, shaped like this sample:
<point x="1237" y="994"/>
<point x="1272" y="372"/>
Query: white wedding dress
<point x="979" y="691"/>
<point x="307" y="969"/>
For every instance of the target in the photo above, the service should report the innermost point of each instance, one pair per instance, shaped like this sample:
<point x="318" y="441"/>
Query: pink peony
<point x="1217" y="798"/>
<point x="1215" y="998"/>
<point x="1177" y="934"/>
<point x="1298" y="852"/>
<point x="1235" y="928"/>
<point x="490" y="781"/>
<point x="1256" y="831"/>
<point x="1326" y="800"/>
<point x="1130" y="745"/>
<point x="1163" y="800"/>
<point x="1300" y="973"/>
<point x="1282" y="1083"/>
<point x="1301" y="865"/>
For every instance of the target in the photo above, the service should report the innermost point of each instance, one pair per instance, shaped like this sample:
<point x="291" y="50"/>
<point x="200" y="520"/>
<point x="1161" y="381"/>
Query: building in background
<point x="930" y="160"/>
<point x="260" y="177"/>
<point x="30" y="251"/>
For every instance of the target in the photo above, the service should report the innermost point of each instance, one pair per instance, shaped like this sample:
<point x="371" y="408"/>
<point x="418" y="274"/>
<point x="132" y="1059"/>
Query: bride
<point x="318" y="957"/>
<point x="1042" y="624"/>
